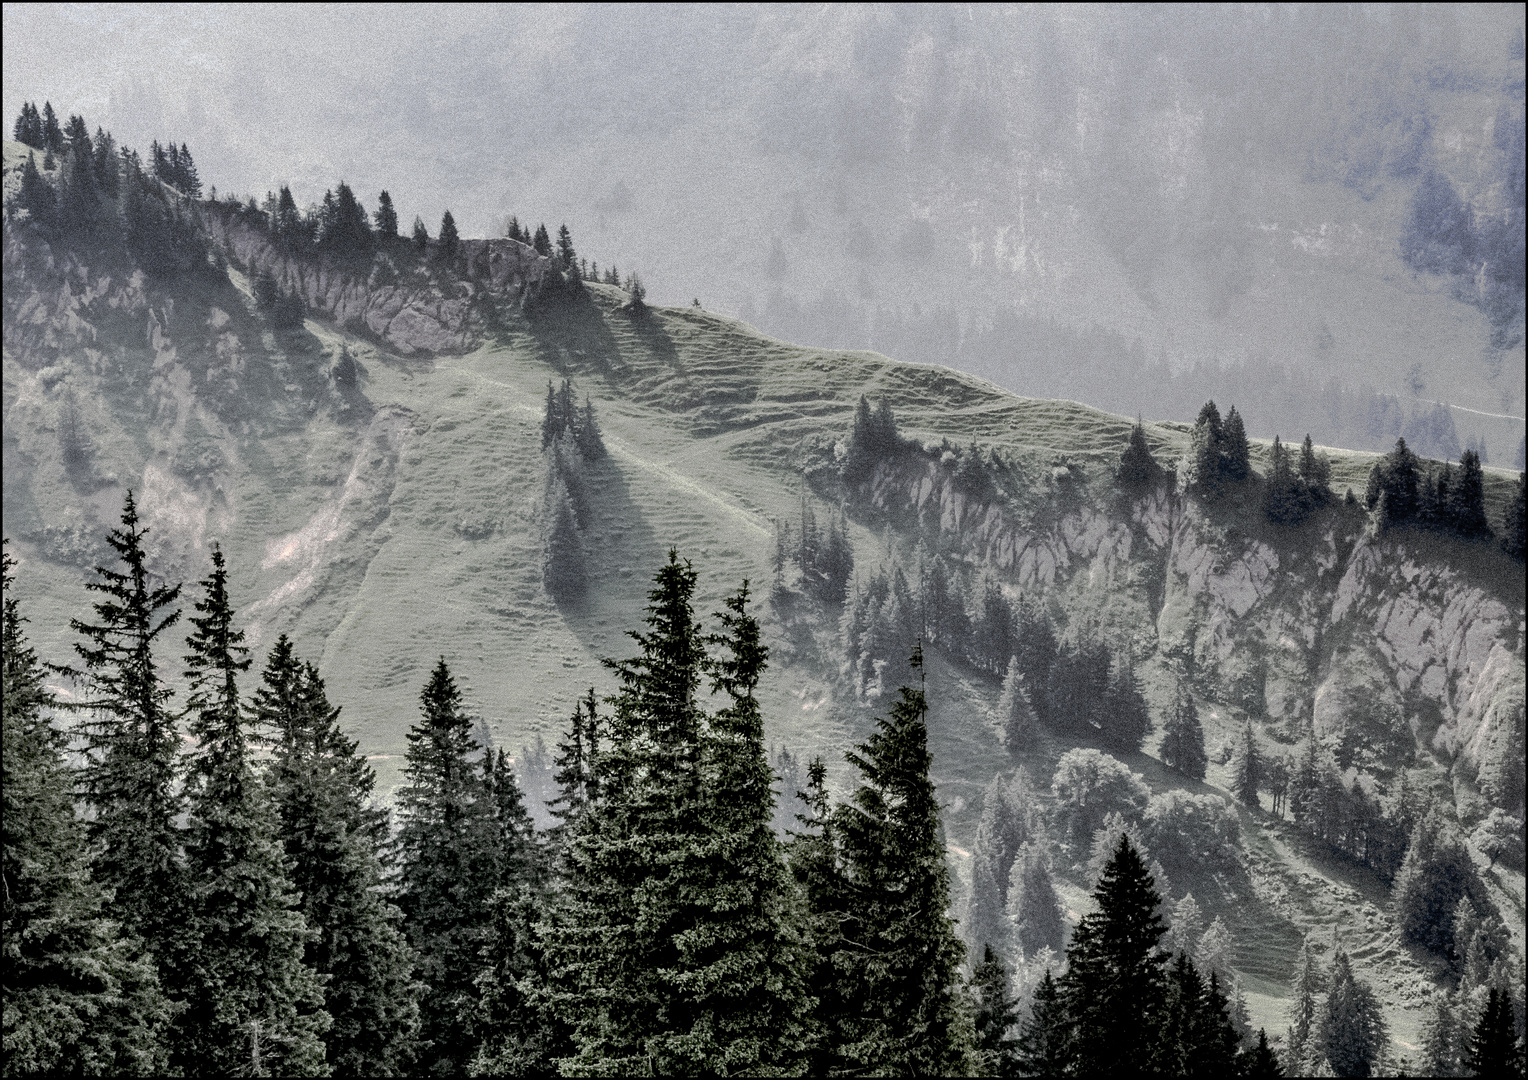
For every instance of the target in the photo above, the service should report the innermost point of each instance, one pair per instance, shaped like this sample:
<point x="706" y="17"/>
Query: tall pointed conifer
<point x="251" y="1000"/>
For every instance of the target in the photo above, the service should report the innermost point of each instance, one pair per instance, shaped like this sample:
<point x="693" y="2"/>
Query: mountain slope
<point x="385" y="525"/>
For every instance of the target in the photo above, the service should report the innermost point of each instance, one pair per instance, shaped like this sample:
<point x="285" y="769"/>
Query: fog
<point x="1137" y="207"/>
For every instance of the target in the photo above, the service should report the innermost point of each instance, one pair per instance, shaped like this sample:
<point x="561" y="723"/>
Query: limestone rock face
<point x="412" y="314"/>
<point x="1356" y="635"/>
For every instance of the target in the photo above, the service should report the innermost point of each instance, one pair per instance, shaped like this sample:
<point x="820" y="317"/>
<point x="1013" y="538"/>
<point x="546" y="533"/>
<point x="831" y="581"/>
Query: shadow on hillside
<point x="572" y="338"/>
<point x="622" y="552"/>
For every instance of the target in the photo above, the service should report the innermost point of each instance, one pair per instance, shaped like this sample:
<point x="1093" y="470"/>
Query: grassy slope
<point x="705" y="420"/>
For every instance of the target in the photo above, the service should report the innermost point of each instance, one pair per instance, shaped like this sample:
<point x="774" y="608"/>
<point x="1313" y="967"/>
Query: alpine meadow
<point x="430" y="654"/>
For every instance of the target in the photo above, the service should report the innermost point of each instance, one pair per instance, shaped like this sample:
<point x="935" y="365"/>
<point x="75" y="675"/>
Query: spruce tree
<point x="130" y="776"/>
<point x="421" y="236"/>
<point x="1034" y="909"/>
<point x="1515" y="526"/>
<point x="37" y="195"/>
<point x="1114" y="970"/>
<point x="445" y="884"/>
<point x="1137" y="469"/>
<point x="1261" y="1061"/>
<point x="1013" y="713"/>
<point x="1183" y="741"/>
<point x="386" y="218"/>
<point x="563" y="569"/>
<point x="566" y="256"/>
<point x="52" y="133"/>
<point x="1494" y="1049"/>
<point x="1247" y="775"/>
<point x="1441" y="1038"/>
<point x="542" y="241"/>
<point x="1046" y="1045"/>
<point x="1315" y="472"/>
<point x="1436" y="874"/>
<point x="78" y="998"/>
<point x="997" y="1016"/>
<point x="1206" y="449"/>
<point x="896" y="955"/>
<point x="1350" y="1029"/>
<point x="1124" y="718"/>
<point x="251" y="1001"/>
<point x="320" y="786"/>
<point x="1304" y="1007"/>
<point x="1468" y="507"/>
<point x="447" y="242"/>
<point x="1235" y="460"/>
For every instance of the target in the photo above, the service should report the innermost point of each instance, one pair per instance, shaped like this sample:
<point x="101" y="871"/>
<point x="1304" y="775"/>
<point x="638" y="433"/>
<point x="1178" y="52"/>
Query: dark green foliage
<point x="1194" y="1036"/>
<point x="52" y="133"/>
<point x="343" y="230"/>
<point x="824" y="557"/>
<point x="1114" y="974"/>
<point x="1077" y="690"/>
<point x="1494" y="1048"/>
<point x="897" y="956"/>
<point x="385" y="216"/>
<point x="1516" y="524"/>
<point x="1013" y="711"/>
<point x="1436" y="873"/>
<point x="563" y="414"/>
<point x="872" y="440"/>
<point x="1261" y="1061"/>
<point x="1440" y="235"/>
<point x="564" y="570"/>
<point x="1350" y="1029"/>
<point x="1394" y="478"/>
<point x="28" y="127"/>
<point x="1466" y="506"/>
<point x="675" y="943"/>
<point x="346" y="372"/>
<point x="285" y="308"/>
<point x="1034" y="909"/>
<point x="1205" y="449"/>
<point x="320" y="787"/>
<point x="1045" y="1046"/>
<point x="1089" y="785"/>
<point x="445" y="873"/>
<point x="250" y="1000"/>
<point x="997" y="1017"/>
<point x="106" y="164"/>
<point x="1183" y="740"/>
<point x="1442" y="1039"/>
<point x="447" y="242"/>
<point x="421" y="236"/>
<point x="37" y="196"/>
<point x="636" y="305"/>
<point x="1290" y="493"/>
<point x="287" y="226"/>
<point x="129" y="779"/>
<point x="1234" y="463"/>
<point x="77" y="998"/>
<point x="1137" y="469"/>
<point x="1125" y="719"/>
<point x="542" y="241"/>
<point x="567" y="258"/>
<point x="1247" y="774"/>
<point x="880" y="627"/>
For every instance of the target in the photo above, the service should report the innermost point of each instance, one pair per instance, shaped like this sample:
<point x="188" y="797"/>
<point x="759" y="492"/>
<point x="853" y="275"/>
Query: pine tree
<point x="105" y="167"/>
<point x="78" y="1000"/>
<point x="997" y="1015"/>
<point x="1235" y="461"/>
<point x="28" y="130"/>
<point x="421" y="236"/>
<point x="1494" y="1049"/>
<point x="1261" y="1061"/>
<point x="1013" y="713"/>
<point x="983" y="922"/>
<point x="444" y="876"/>
<point x="1516" y="524"/>
<point x="575" y="767"/>
<point x="1034" y="909"/>
<point x="591" y="443"/>
<point x="1442" y="1038"/>
<point x="386" y="218"/>
<point x="320" y="788"/>
<point x="566" y="256"/>
<point x="346" y="373"/>
<point x="1395" y="476"/>
<point x="1124" y="717"/>
<point x="542" y="241"/>
<point x="242" y="965"/>
<point x="636" y="304"/>
<point x="1137" y="469"/>
<point x="130" y="778"/>
<point x="37" y="196"/>
<point x="1186" y="927"/>
<point x="1183" y="741"/>
<point x="1315" y="472"/>
<point x="1206" y="443"/>
<point x="563" y="568"/>
<point x="447" y="242"/>
<point x="1247" y="775"/>
<point x="1435" y="875"/>
<point x="1304" y="992"/>
<point x="1467" y="503"/>
<point x="898" y="951"/>
<point x="287" y="224"/>
<point x="1114" y="969"/>
<point x="1350" y="1029"/>
<point x="52" y="133"/>
<point x="1046" y="1045"/>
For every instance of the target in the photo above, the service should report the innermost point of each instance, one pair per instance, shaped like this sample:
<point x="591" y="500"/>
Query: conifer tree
<point x="130" y="778"/>
<point x="1247" y="775"/>
<point x="78" y="1000"/>
<point x="542" y="241"/>
<point x="1395" y="476"/>
<point x="898" y="951"/>
<point x="250" y="998"/>
<point x="1315" y="472"/>
<point x="1441" y="1038"/>
<point x="983" y="921"/>
<point x="1137" y="468"/>
<point x="386" y="218"/>
<point x="566" y="256"/>
<point x="636" y="304"/>
<point x="1261" y="1061"/>
<point x="28" y="127"/>
<point x="1494" y="1049"/>
<point x="997" y="1016"/>
<point x="52" y="133"/>
<point x="421" y="236"/>
<point x="1467" y="507"/>
<point x="1125" y="720"/>
<point x="1046" y="1041"/>
<point x="1206" y="443"/>
<point x="447" y="241"/>
<point x="1235" y="463"/>
<point x="287" y="223"/>
<point x="1435" y="875"/>
<point x="37" y="195"/>
<point x="1034" y="909"/>
<point x="1013" y="712"/>
<point x="107" y="176"/>
<point x="1350" y="1029"/>
<point x="1515" y="527"/>
<point x="1114" y="969"/>
<point x="1183" y="741"/>
<point x="320" y="787"/>
<point x="444" y="874"/>
<point x="563" y="569"/>
<point x="1186" y="927"/>
<point x="591" y="444"/>
<point x="1304" y="994"/>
